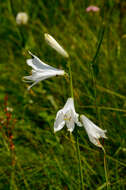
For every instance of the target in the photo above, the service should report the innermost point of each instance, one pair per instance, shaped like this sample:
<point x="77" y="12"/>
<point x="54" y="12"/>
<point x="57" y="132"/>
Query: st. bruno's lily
<point x="67" y="116"/>
<point x="22" y="18"/>
<point x="93" y="131"/>
<point x="55" y="45"/>
<point x="40" y="71"/>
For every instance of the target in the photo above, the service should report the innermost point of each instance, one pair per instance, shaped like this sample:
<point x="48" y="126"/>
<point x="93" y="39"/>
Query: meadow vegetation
<point x="32" y="156"/>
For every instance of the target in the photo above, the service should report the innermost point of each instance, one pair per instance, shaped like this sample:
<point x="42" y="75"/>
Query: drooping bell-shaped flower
<point x="40" y="71"/>
<point x="93" y="131"/>
<point x="55" y="45"/>
<point x="67" y="116"/>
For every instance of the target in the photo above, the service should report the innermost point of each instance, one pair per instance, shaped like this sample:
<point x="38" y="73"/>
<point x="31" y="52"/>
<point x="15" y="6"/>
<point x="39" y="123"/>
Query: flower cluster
<point x="67" y="115"/>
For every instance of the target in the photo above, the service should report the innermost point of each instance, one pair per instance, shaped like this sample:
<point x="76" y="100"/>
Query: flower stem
<point x="93" y="65"/>
<point x="105" y="168"/>
<point x="77" y="138"/>
<point x="71" y="80"/>
<point x="80" y="166"/>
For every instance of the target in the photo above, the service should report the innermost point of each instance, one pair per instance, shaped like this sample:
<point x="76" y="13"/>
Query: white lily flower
<point x="55" y="45"/>
<point x="22" y="18"/>
<point x="93" y="131"/>
<point x="40" y="71"/>
<point x="67" y="116"/>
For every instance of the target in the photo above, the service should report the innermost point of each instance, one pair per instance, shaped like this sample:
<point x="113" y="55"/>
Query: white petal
<point x="33" y="84"/>
<point x="22" y="18"/>
<point x="76" y="119"/>
<point x="41" y="71"/>
<point x="95" y="141"/>
<point x="35" y="80"/>
<point x="60" y="126"/>
<point x="93" y="131"/>
<point x="67" y="115"/>
<point x="59" y="115"/>
<point x="69" y="119"/>
<point x="43" y="74"/>
<point x="79" y="124"/>
<point x="59" y="121"/>
<point x="92" y="128"/>
<point x="37" y="64"/>
<point x="55" y="45"/>
<point x="70" y="125"/>
<point x="37" y="76"/>
<point x="69" y="105"/>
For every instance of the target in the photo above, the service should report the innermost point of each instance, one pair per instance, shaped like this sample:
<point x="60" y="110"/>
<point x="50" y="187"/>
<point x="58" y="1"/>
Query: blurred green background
<point x="32" y="157"/>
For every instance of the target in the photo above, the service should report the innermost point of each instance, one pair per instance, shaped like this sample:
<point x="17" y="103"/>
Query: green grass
<point x="43" y="160"/>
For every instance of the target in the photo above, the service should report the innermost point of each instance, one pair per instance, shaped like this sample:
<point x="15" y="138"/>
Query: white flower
<point x="40" y="71"/>
<point x="93" y="131"/>
<point x="67" y="116"/>
<point x="55" y="45"/>
<point x="9" y="109"/>
<point x="22" y="18"/>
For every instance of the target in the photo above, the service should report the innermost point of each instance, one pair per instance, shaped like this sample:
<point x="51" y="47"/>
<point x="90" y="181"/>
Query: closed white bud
<point x="22" y="18"/>
<point x="55" y="45"/>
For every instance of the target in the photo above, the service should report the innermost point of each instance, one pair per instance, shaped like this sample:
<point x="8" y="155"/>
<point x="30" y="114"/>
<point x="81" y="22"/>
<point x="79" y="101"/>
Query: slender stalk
<point x="105" y="168"/>
<point x="92" y="64"/>
<point x="9" y="7"/>
<point x="80" y="166"/>
<point x="71" y="80"/>
<point x="95" y="92"/>
<point x="77" y="138"/>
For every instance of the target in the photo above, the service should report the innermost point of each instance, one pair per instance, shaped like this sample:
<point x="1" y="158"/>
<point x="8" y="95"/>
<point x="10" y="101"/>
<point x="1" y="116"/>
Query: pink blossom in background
<point x="92" y="8"/>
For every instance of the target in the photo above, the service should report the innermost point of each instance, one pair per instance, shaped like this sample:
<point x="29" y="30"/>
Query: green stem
<point x="99" y="44"/>
<point x="95" y="92"/>
<point x="9" y="7"/>
<point x="77" y="139"/>
<point x="93" y="62"/>
<point x="80" y="166"/>
<point x="105" y="168"/>
<point x="71" y="80"/>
